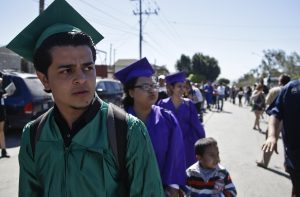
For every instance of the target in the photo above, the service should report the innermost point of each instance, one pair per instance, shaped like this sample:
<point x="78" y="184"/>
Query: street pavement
<point x="239" y="147"/>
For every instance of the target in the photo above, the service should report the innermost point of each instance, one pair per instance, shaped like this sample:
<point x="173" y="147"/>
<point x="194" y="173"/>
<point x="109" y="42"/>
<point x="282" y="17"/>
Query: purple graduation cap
<point x="175" y="78"/>
<point x="140" y="68"/>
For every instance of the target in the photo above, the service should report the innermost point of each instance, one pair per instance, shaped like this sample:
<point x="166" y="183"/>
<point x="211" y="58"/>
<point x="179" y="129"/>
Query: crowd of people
<point x="84" y="146"/>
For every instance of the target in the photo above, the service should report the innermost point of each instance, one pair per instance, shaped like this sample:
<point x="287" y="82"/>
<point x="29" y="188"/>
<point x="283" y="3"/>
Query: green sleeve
<point x="141" y="162"/>
<point x="28" y="183"/>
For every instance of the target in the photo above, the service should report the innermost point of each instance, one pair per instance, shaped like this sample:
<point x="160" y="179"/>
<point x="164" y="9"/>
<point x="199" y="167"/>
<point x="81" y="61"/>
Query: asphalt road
<point x="239" y="147"/>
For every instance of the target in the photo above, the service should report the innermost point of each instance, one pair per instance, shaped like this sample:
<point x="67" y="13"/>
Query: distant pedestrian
<point x="195" y="95"/>
<point x="221" y="92"/>
<point x="162" y="91"/>
<point x="248" y="94"/>
<point x="258" y="106"/>
<point x="208" y="89"/>
<point x="207" y="177"/>
<point x="233" y="93"/>
<point x="240" y="95"/>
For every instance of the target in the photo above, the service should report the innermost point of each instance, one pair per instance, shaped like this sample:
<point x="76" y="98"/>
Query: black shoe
<point x="4" y="154"/>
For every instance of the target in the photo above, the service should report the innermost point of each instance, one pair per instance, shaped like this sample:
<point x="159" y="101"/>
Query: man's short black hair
<point x="42" y="58"/>
<point x="202" y="144"/>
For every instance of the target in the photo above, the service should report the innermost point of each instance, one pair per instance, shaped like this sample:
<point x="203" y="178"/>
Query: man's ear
<point x="44" y="79"/>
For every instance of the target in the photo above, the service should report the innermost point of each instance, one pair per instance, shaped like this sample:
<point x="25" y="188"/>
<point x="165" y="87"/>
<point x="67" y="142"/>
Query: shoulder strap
<point x="117" y="134"/>
<point x="36" y="129"/>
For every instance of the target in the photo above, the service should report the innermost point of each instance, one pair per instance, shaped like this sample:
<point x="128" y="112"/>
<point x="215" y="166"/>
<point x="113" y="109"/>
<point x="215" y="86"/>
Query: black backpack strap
<point x="117" y="134"/>
<point x="36" y="129"/>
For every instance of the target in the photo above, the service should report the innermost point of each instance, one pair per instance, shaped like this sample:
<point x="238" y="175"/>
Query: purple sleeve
<point x="195" y="122"/>
<point x="174" y="171"/>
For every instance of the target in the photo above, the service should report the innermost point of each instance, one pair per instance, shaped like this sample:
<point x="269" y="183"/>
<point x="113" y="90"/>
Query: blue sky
<point x="235" y="32"/>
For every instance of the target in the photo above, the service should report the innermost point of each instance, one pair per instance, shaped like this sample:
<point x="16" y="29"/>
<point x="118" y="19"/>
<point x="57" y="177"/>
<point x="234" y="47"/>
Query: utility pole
<point x="110" y="54"/>
<point x="42" y="5"/>
<point x="140" y="13"/>
<point x="105" y="53"/>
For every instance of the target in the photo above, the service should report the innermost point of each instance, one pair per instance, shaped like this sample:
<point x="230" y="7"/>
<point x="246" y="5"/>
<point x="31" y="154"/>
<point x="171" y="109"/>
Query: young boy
<point x="207" y="177"/>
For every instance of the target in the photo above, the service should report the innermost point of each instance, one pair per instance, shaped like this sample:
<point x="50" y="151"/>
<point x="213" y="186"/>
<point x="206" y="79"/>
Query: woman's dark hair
<point x="42" y="58"/>
<point x="128" y="100"/>
<point x="202" y="144"/>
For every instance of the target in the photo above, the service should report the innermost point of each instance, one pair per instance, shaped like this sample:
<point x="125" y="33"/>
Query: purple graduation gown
<point x="167" y="141"/>
<point x="192" y="129"/>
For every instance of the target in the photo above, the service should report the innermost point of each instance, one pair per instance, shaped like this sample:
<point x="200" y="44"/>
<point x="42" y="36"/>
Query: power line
<point x="234" y="25"/>
<point x="109" y="15"/>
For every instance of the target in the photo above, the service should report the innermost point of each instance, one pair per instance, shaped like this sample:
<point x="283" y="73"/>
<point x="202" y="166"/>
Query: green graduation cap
<point x="58" y="17"/>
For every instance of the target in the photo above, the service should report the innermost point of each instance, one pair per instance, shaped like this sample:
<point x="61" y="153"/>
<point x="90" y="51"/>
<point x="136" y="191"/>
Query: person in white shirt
<point x="195" y="95"/>
<point x="221" y="92"/>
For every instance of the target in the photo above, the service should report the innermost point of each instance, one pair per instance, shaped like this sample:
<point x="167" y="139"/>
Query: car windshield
<point x="35" y="86"/>
<point x="109" y="86"/>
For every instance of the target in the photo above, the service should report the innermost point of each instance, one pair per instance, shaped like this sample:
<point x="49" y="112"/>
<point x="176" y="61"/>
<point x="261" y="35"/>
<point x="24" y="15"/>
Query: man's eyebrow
<point x="73" y="65"/>
<point x="88" y="63"/>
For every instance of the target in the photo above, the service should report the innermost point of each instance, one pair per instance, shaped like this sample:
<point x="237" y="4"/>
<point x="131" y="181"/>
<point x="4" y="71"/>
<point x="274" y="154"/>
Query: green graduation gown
<point x="87" y="167"/>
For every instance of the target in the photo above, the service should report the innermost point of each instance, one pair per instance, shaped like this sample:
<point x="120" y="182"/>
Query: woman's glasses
<point x="147" y="87"/>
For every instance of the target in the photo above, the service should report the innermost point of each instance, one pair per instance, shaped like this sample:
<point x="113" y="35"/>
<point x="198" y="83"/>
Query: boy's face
<point x="71" y="77"/>
<point x="210" y="157"/>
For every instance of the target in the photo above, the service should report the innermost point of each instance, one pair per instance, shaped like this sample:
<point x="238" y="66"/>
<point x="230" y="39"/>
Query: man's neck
<point x="71" y="114"/>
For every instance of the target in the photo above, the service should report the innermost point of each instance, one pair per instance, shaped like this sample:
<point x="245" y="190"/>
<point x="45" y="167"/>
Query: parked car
<point x="28" y="101"/>
<point x="110" y="90"/>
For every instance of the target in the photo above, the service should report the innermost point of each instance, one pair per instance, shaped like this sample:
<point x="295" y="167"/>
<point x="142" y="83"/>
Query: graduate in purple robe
<point x="141" y="93"/>
<point x="208" y="89"/>
<point x="186" y="114"/>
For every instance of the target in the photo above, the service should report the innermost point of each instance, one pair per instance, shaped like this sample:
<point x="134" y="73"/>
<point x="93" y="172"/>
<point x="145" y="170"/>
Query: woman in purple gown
<point x="141" y="93"/>
<point x="186" y="114"/>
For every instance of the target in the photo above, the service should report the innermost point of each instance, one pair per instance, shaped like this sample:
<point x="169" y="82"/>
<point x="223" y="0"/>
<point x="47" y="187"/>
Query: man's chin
<point x="80" y="106"/>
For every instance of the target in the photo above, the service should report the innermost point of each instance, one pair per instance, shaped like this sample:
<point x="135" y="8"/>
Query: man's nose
<point x="80" y="76"/>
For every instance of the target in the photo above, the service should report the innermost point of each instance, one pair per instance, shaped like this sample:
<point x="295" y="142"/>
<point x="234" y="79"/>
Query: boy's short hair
<point x="202" y="144"/>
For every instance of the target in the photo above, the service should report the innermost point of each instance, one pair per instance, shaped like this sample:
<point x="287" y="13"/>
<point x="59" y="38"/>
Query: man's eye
<point x="87" y="68"/>
<point x="65" y="71"/>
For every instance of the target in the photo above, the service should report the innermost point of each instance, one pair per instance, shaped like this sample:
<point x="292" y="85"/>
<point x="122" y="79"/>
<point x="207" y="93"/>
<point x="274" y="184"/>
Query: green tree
<point x="247" y="80"/>
<point x="276" y="62"/>
<point x="196" y="78"/>
<point x="206" y="66"/>
<point x="161" y="70"/>
<point x="184" y="64"/>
